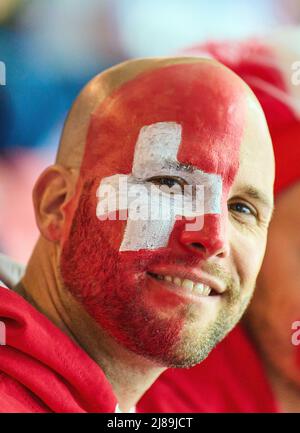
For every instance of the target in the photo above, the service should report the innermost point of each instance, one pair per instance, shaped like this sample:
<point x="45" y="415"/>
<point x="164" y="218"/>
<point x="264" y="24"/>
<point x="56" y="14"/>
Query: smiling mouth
<point x="193" y="287"/>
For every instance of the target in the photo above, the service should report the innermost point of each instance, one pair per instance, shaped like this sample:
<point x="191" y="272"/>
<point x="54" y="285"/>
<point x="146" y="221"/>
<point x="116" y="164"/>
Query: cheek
<point x="112" y="231"/>
<point x="81" y="217"/>
<point x="248" y="251"/>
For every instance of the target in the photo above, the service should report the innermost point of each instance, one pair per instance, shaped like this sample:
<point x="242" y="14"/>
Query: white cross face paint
<point x="150" y="224"/>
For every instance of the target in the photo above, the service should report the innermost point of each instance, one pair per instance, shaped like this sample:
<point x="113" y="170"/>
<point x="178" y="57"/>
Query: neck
<point x="129" y="374"/>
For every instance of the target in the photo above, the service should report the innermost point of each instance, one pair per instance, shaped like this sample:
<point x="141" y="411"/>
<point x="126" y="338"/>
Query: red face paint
<point x="114" y="286"/>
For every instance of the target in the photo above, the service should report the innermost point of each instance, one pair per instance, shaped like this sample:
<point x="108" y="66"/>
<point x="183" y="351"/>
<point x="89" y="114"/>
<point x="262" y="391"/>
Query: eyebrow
<point x="249" y="190"/>
<point x="260" y="196"/>
<point x="180" y="166"/>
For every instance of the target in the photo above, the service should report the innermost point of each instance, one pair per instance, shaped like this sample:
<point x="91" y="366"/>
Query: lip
<point x="196" y="275"/>
<point x="180" y="295"/>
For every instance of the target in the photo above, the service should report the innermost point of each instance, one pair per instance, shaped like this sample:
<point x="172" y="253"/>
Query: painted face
<point x="277" y="327"/>
<point x="165" y="289"/>
<point x="151" y="212"/>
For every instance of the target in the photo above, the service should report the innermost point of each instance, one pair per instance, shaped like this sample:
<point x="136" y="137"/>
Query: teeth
<point x="207" y="290"/>
<point x="187" y="284"/>
<point x="177" y="281"/>
<point x="199" y="288"/>
<point x="202" y="289"/>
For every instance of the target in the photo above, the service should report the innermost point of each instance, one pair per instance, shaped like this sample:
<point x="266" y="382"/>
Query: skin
<point x="276" y="304"/>
<point x="86" y="280"/>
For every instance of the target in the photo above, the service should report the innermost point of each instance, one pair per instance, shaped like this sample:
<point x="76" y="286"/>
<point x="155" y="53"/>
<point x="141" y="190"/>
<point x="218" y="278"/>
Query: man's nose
<point x="210" y="239"/>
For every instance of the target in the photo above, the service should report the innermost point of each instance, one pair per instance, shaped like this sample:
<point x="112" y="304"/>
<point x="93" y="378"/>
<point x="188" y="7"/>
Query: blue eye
<point x="242" y="208"/>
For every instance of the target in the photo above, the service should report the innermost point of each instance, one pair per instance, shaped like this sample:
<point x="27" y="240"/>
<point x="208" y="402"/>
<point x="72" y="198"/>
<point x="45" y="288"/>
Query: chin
<point x="187" y="360"/>
<point x="189" y="350"/>
<point x="185" y="354"/>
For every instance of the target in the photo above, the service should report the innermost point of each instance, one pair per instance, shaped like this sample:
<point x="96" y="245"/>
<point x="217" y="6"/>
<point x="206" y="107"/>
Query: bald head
<point x="74" y="135"/>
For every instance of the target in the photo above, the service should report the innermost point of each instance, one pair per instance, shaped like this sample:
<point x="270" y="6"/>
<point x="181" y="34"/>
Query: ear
<point x="52" y="191"/>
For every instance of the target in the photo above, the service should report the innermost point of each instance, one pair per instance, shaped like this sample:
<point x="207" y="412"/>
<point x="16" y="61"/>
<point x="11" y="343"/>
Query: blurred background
<point x="51" y="48"/>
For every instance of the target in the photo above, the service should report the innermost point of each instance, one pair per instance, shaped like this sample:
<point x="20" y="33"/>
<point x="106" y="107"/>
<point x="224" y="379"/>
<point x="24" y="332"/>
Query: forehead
<point x="256" y="163"/>
<point x="207" y="100"/>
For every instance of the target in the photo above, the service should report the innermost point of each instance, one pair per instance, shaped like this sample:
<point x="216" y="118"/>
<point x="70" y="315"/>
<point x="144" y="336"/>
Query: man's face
<point x="274" y="314"/>
<point x="161" y="289"/>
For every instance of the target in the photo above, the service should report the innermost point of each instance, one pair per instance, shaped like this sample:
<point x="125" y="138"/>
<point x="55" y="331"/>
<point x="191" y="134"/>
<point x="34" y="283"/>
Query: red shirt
<point x="42" y="369"/>
<point x="231" y="379"/>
